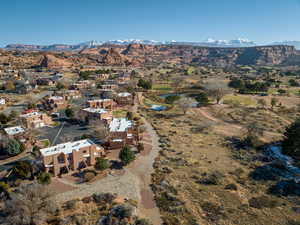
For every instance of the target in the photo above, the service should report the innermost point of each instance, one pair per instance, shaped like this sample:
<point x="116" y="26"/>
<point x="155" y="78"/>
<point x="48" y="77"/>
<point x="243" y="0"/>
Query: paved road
<point x="20" y="106"/>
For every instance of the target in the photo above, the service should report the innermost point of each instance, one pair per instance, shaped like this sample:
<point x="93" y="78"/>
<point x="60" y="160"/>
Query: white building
<point x="2" y="101"/>
<point x="11" y="131"/>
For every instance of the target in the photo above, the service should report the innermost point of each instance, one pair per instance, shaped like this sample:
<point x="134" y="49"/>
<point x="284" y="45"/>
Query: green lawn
<point x="162" y="87"/>
<point x="119" y="113"/>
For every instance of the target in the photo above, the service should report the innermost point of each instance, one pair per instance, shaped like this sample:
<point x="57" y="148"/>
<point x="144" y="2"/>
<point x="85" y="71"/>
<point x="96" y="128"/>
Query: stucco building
<point x="70" y="156"/>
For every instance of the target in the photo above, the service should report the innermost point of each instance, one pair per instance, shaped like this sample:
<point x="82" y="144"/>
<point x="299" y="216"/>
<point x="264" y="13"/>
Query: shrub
<point x="23" y="170"/>
<point x="144" y="84"/>
<point x="202" y="99"/>
<point x="4" y="190"/>
<point x="13" y="147"/>
<point x="69" y="113"/>
<point x="140" y="147"/>
<point x="171" y="99"/>
<point x="104" y="198"/>
<point x="263" y="202"/>
<point x="122" y="211"/>
<point x="88" y="176"/>
<point x="214" y="178"/>
<point x="213" y="211"/>
<point x="101" y="164"/>
<point x="44" y="178"/>
<point x="129" y="115"/>
<point x="126" y="155"/>
<point x="142" y="222"/>
<point x="71" y="204"/>
<point x="291" y="142"/>
<point x="231" y="187"/>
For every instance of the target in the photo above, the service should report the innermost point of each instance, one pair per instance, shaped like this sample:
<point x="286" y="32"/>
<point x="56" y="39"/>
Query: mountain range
<point x="92" y="44"/>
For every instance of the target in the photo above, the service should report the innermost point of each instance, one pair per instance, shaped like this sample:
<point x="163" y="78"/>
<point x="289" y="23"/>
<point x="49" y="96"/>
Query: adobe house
<point x="124" y="98"/>
<point x="101" y="114"/>
<point x="34" y="119"/>
<point x="70" y="156"/>
<point x="101" y="103"/>
<point x="46" y="81"/>
<point x="55" y="103"/>
<point x="83" y="84"/>
<point x="69" y="94"/>
<point x="121" y="132"/>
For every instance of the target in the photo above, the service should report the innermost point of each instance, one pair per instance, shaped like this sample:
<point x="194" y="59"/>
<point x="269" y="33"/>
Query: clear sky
<point x="74" y="21"/>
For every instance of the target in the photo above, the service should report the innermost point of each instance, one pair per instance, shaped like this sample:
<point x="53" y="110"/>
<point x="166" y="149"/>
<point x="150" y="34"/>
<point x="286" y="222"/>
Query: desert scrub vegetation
<point x="33" y="205"/>
<point x="215" y="178"/>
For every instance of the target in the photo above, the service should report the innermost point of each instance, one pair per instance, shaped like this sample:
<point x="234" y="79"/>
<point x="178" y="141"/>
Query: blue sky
<point x="74" y="21"/>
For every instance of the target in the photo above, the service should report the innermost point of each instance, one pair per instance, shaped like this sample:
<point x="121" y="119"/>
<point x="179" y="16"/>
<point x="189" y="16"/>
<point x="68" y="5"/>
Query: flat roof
<point x="56" y="98"/>
<point x="14" y="130"/>
<point x="124" y="94"/>
<point x="30" y="114"/>
<point x="67" y="147"/>
<point x="96" y="110"/>
<point x="119" y="125"/>
<point x="100" y="100"/>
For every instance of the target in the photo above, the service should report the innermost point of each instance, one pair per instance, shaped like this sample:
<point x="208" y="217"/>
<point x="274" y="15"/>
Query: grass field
<point x="119" y="113"/>
<point x="162" y="87"/>
<point x="239" y="99"/>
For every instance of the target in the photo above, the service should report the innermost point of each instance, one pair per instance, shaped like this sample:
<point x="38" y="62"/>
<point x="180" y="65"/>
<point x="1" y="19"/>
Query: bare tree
<point x="274" y="102"/>
<point x="262" y="103"/>
<point x="99" y="130"/>
<point x="253" y="132"/>
<point x="186" y="103"/>
<point x="217" y="90"/>
<point x="177" y="83"/>
<point x="29" y="205"/>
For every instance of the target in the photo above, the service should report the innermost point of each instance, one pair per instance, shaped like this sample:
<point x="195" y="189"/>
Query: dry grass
<point x="193" y="152"/>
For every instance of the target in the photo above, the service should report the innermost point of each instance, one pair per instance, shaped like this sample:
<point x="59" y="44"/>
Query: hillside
<point x="139" y="54"/>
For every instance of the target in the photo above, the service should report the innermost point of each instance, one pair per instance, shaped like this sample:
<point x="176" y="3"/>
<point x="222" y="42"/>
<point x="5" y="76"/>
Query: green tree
<point x="44" y="178"/>
<point x="171" y="99"/>
<point x="101" y="164"/>
<point x="3" y="118"/>
<point x="274" y="102"/>
<point x="60" y="86"/>
<point x="129" y="115"/>
<point x="126" y="155"/>
<point x="69" y="113"/>
<point x="145" y="84"/>
<point x="202" y="99"/>
<point x="13" y="147"/>
<point x="253" y="132"/>
<point x="23" y="170"/>
<point x="262" y="103"/>
<point x="13" y="114"/>
<point x="140" y="147"/>
<point x="291" y="141"/>
<point x="4" y="189"/>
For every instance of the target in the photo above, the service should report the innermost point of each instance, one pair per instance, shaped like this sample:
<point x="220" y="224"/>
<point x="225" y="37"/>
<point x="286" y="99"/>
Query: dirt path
<point x="134" y="183"/>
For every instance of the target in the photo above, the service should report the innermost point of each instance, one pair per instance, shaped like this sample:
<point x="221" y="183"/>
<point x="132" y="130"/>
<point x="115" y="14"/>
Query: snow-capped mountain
<point x="133" y="41"/>
<point x="296" y="44"/>
<point x="240" y="42"/>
